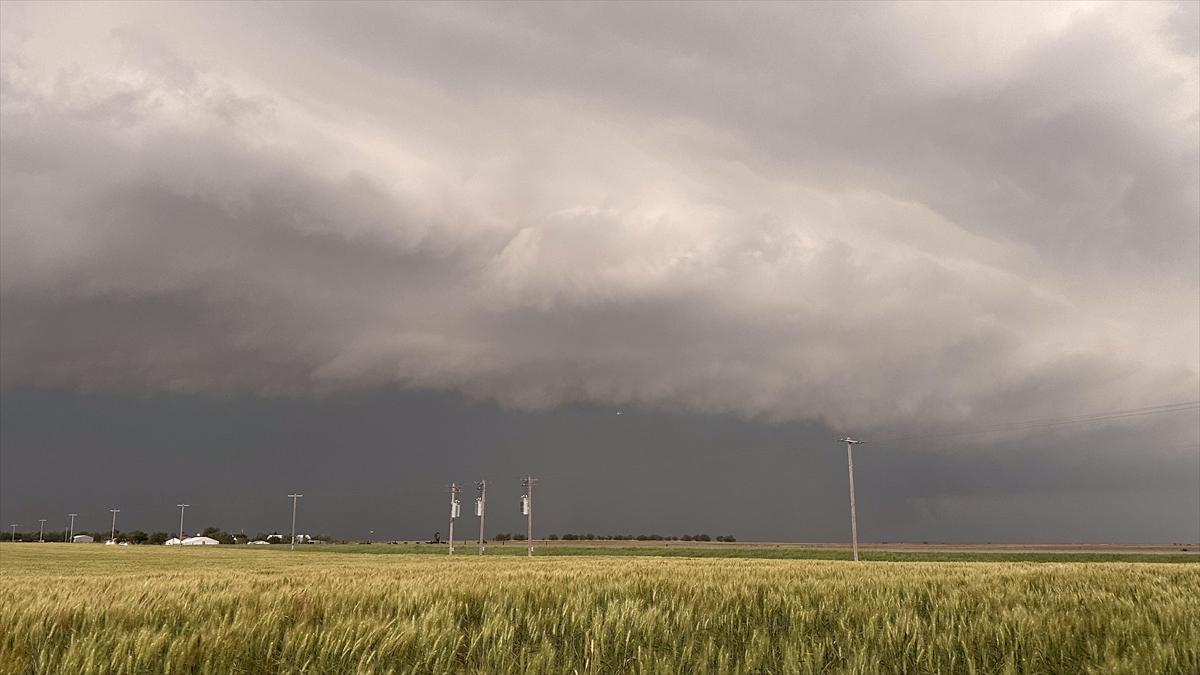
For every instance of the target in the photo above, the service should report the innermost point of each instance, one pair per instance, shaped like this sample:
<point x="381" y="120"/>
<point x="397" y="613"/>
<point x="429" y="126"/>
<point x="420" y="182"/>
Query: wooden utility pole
<point x="454" y="508"/>
<point x="293" y="497"/>
<point x="480" y="508"/>
<point x="850" y="443"/>
<point x="527" y="506"/>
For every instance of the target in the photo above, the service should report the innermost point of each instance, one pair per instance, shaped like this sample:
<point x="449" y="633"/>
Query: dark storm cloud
<point x="875" y="216"/>
<point x="380" y="460"/>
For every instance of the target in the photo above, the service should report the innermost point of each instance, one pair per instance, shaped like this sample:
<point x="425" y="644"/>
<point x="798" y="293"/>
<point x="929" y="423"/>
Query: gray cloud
<point x="380" y="460"/>
<point x="875" y="216"/>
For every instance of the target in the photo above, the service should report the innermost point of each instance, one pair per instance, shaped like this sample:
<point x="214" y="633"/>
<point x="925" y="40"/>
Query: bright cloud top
<point x="864" y="214"/>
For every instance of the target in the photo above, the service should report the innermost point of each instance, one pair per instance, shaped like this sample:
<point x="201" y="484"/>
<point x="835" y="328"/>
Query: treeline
<point x="159" y="538"/>
<point x="7" y="535"/>
<point x="131" y="536"/>
<point x="505" y="536"/>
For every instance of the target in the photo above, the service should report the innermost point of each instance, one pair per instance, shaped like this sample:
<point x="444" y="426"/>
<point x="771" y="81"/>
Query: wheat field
<point x="95" y="609"/>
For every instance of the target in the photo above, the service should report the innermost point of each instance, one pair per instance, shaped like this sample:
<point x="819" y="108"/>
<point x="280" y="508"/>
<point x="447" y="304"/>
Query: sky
<point x="360" y="251"/>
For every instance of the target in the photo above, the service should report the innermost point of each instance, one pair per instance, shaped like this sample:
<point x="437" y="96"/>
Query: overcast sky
<point x="363" y="250"/>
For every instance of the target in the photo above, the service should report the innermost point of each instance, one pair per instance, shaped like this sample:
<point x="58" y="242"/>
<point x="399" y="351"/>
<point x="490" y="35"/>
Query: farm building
<point x="173" y="541"/>
<point x="82" y="539"/>
<point x="199" y="541"/>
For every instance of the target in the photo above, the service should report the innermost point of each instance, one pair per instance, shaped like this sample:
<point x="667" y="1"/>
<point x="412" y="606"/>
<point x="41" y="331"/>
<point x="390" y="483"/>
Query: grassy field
<point x="768" y="552"/>
<point x="97" y="609"/>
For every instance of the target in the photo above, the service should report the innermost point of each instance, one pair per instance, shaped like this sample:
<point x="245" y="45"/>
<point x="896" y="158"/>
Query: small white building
<point x="199" y="541"/>
<point x="173" y="541"/>
<point x="259" y="542"/>
<point x="82" y="539"/>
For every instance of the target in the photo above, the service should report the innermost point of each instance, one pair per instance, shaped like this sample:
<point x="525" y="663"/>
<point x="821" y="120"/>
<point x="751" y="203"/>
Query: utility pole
<point x="527" y="508"/>
<point x="41" y="530"/>
<point x="480" y="507"/>
<point x="13" y="536"/>
<point x="113" y="536"/>
<point x="455" y="509"/>
<point x="850" y="443"/>
<point x="181" y="508"/>
<point x="71" y="536"/>
<point x="294" y="498"/>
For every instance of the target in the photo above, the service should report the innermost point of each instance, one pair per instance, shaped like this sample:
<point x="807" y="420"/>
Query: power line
<point x="1051" y="422"/>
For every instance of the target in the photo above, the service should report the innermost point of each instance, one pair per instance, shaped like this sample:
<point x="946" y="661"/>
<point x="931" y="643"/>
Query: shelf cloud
<point x="868" y="215"/>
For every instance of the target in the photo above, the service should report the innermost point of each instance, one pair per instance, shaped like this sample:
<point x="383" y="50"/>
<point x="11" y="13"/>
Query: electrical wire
<point x="1050" y="422"/>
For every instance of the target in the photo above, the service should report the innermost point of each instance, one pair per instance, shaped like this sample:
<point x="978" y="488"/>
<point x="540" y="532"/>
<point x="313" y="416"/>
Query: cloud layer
<point x="897" y="216"/>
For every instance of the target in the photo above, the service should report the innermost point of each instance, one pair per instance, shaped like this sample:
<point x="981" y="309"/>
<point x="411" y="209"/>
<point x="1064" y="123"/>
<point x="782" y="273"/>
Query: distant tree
<point x="217" y="533"/>
<point x="518" y="537"/>
<point x="553" y="537"/>
<point x="136" y="537"/>
<point x="702" y="537"/>
<point x="686" y="537"/>
<point x="503" y="536"/>
<point x="158" y="538"/>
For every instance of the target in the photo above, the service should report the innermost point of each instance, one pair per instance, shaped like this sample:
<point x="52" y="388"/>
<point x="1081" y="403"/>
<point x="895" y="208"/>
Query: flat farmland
<point x="1183" y="553"/>
<point x="97" y="609"/>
